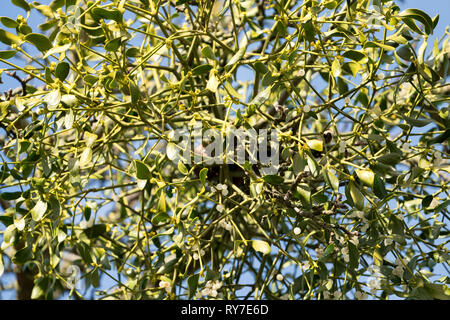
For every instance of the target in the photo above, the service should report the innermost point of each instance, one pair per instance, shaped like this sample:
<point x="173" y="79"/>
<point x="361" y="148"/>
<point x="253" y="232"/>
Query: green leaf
<point x="428" y="73"/>
<point x="203" y="175"/>
<point x="440" y="138"/>
<point x="22" y="256"/>
<point x="352" y="68"/>
<point x="405" y="53"/>
<point x="261" y="246"/>
<point x="435" y="21"/>
<point x="336" y="68"/>
<point x="85" y="252"/>
<point x="391" y="158"/>
<point x="328" y="251"/>
<point x="256" y="189"/>
<point x="62" y="70"/>
<point x="113" y="45"/>
<point x="86" y="157"/>
<point x="357" y="196"/>
<point x="396" y="38"/>
<point x="420" y="16"/>
<point x="353" y="253"/>
<point x="114" y="14"/>
<point x="268" y="79"/>
<point x="2" y="266"/>
<point x="142" y="170"/>
<point x="192" y="282"/>
<point x="41" y="42"/>
<point x="303" y="191"/>
<point x="316" y="145"/>
<point x="438" y="291"/>
<point x="10" y="195"/>
<point x="397" y="226"/>
<point x="212" y="274"/>
<point x="442" y="206"/>
<point x="38" y="290"/>
<point x="22" y="4"/>
<point x="171" y="151"/>
<point x="90" y="79"/>
<point x="412" y="25"/>
<point x="202" y="69"/>
<point x="331" y="4"/>
<point x="8" y="38"/>
<point x="58" y="49"/>
<point x="378" y="187"/>
<point x="9" y="233"/>
<point x="39" y="210"/>
<point x="377" y="257"/>
<point x="427" y="201"/>
<point x="132" y="52"/>
<point x="331" y="179"/>
<point x="213" y="82"/>
<point x="8" y="22"/>
<point x="320" y="198"/>
<point x="8" y="54"/>
<point x="162" y="202"/>
<point x="182" y="168"/>
<point x="417" y="122"/>
<point x="240" y="53"/>
<point x="135" y="92"/>
<point x="273" y="179"/>
<point x="160" y="218"/>
<point x="373" y="44"/>
<point x="208" y="52"/>
<point x="261" y="97"/>
<point x="95" y="231"/>
<point x="313" y="166"/>
<point x="298" y="163"/>
<point x="234" y="93"/>
<point x="357" y="56"/>
<point x="260" y="67"/>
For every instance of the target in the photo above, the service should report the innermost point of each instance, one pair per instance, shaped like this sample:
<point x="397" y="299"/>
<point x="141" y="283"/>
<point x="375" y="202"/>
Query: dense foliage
<point x="93" y="200"/>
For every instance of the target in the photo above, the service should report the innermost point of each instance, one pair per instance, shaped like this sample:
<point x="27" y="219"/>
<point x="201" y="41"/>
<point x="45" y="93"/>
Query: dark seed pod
<point x="327" y="136"/>
<point x="316" y="154"/>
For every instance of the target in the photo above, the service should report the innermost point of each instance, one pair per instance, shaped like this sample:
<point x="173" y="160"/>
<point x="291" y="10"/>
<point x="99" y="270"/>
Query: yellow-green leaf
<point x="162" y="202"/>
<point x="261" y="246"/>
<point x="373" y="44"/>
<point x="367" y="176"/>
<point x="357" y="196"/>
<point x="377" y="258"/>
<point x="335" y="68"/>
<point x="182" y="168"/>
<point x="213" y="82"/>
<point x="39" y="210"/>
<point x="331" y="179"/>
<point x="8" y="38"/>
<point x="316" y="145"/>
<point x="208" y="52"/>
<point x="2" y="268"/>
<point x="86" y="157"/>
<point x="203" y="174"/>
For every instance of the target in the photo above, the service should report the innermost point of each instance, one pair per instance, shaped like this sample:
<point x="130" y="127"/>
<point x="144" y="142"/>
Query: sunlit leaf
<point x="261" y="246"/>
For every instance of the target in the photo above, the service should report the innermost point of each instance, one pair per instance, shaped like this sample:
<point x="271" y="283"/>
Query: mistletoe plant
<point x="97" y="200"/>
